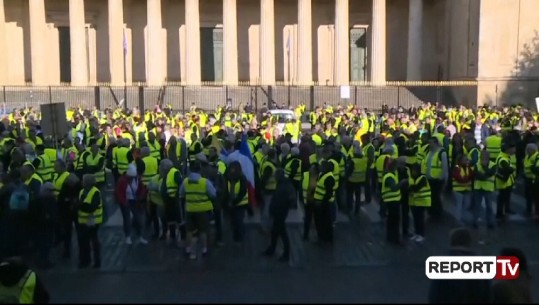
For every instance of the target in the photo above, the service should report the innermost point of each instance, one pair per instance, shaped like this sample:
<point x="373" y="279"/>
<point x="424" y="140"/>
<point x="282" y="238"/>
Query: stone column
<point x="305" y="43"/>
<point x="342" y="43"/>
<point x="116" y="39"/>
<point x="267" y="42"/>
<point x="192" y="38"/>
<point x="378" y="53"/>
<point x="38" y="42"/>
<point x="3" y="49"/>
<point x="77" y="37"/>
<point x="230" y="43"/>
<point x="415" y="40"/>
<point x="154" y="69"/>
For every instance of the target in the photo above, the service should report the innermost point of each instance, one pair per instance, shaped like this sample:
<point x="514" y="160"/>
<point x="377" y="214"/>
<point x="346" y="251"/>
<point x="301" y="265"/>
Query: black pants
<point x="405" y="212"/>
<point x="218" y="218"/>
<point x="419" y="220"/>
<point x="354" y="189"/>
<point x="322" y="221"/>
<point x="529" y="192"/>
<point x="278" y="230"/>
<point x="43" y="236"/>
<point x="504" y="201"/>
<point x="237" y="220"/>
<point x="371" y="184"/>
<point x="299" y="192"/>
<point x="383" y="208"/>
<point x="309" y="216"/>
<point x="89" y="242"/>
<point x="436" y="208"/>
<point x="392" y="223"/>
<point x="66" y="231"/>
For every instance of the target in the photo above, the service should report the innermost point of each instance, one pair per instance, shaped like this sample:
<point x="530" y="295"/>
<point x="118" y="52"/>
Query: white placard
<point x="536" y="103"/>
<point x="345" y="92"/>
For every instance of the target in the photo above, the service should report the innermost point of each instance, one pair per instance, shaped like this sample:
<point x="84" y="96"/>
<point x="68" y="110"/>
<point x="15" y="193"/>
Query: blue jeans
<point x="489" y="197"/>
<point x="462" y="201"/>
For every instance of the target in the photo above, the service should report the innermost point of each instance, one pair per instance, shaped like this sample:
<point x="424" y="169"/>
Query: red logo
<point x="507" y="268"/>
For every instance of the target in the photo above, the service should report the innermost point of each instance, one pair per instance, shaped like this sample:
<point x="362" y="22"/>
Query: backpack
<point x="20" y="198"/>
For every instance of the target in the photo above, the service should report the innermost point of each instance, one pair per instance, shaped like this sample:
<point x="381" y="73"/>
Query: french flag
<point x="243" y="156"/>
<point x="248" y="169"/>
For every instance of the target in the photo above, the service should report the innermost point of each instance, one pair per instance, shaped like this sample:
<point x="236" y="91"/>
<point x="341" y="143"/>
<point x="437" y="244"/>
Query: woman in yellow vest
<point x="483" y="188"/>
<point x="420" y="199"/>
<point x="90" y="216"/>
<point x="505" y="180"/>
<point x="462" y="187"/>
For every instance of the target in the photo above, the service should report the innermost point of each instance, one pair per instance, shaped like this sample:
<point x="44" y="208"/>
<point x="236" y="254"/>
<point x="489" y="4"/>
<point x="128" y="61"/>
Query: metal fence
<point x="180" y="98"/>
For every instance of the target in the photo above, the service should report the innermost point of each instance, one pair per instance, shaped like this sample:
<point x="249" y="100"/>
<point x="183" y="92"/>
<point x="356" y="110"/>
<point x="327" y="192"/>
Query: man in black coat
<point x="278" y="209"/>
<point x="460" y="291"/>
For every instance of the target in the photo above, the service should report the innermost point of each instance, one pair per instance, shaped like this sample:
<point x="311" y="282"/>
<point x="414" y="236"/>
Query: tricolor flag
<point x="243" y="156"/>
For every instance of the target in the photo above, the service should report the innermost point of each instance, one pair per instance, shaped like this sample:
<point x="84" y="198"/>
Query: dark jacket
<point x="513" y="292"/>
<point x="459" y="291"/>
<point x="284" y="198"/>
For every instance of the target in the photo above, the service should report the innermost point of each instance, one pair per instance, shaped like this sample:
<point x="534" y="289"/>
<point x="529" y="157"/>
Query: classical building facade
<point x="264" y="42"/>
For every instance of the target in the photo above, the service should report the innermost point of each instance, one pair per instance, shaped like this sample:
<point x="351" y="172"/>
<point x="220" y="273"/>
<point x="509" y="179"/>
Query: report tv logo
<point x="472" y="267"/>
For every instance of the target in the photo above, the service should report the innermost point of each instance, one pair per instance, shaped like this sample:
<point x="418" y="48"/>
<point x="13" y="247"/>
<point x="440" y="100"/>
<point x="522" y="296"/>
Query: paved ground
<point x="360" y="267"/>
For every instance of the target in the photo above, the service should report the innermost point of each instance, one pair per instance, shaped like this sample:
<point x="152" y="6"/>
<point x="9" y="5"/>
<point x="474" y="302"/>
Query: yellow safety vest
<point x="221" y="167"/>
<point x="120" y="159"/>
<point x="92" y="160"/>
<point x="22" y="292"/>
<point x="486" y="185"/>
<point x="151" y="169"/>
<point x="462" y="187"/>
<point x="288" y="169"/>
<point x="46" y="167"/>
<point x="52" y="154"/>
<point x="271" y="184"/>
<point x="359" y="174"/>
<point x="500" y="182"/>
<point x="336" y="172"/>
<point x="235" y="189"/>
<point x="97" y="216"/>
<point x="172" y="186"/>
<point x="155" y="149"/>
<point x="196" y="197"/>
<point x="493" y="145"/>
<point x="387" y="194"/>
<point x="379" y="164"/>
<point x="320" y="191"/>
<point x="33" y="177"/>
<point x="529" y="162"/>
<point x="155" y="196"/>
<point x="58" y="182"/>
<point x="436" y="165"/>
<point x="421" y="198"/>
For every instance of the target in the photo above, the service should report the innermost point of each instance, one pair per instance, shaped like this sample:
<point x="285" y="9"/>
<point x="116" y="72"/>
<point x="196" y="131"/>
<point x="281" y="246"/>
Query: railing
<point x="180" y="96"/>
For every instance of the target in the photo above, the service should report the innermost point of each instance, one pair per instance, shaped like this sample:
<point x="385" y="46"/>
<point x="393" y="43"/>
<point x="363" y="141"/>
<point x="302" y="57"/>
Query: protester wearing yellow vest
<point x="43" y="165"/>
<point x="157" y="206"/>
<point x="172" y="180"/>
<point x="149" y="164"/>
<point x="505" y="180"/>
<point x="19" y="284"/>
<point x="435" y="167"/>
<point x="32" y="181"/>
<point x="238" y="199"/>
<point x="493" y="144"/>
<point x="198" y="193"/>
<point x="462" y="187"/>
<point x="268" y="182"/>
<point x="90" y="215"/>
<point x="121" y="157"/>
<point x="356" y="173"/>
<point x="95" y="165"/>
<point x="529" y="176"/>
<point x="391" y="197"/>
<point x="420" y="199"/>
<point x="483" y="188"/>
<point x="324" y="197"/>
<point x="308" y="186"/>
